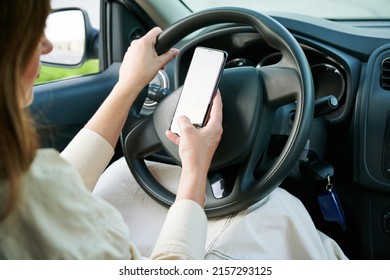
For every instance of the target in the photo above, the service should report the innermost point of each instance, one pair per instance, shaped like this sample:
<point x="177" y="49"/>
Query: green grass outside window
<point x="52" y="73"/>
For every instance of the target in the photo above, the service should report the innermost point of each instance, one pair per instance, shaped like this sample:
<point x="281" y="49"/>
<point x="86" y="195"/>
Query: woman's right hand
<point x="196" y="149"/>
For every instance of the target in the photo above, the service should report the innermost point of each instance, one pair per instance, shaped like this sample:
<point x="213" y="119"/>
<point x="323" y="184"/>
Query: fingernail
<point x="174" y="51"/>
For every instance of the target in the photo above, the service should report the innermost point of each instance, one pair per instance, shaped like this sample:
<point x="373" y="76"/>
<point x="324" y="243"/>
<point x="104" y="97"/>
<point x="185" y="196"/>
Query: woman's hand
<point x="196" y="149"/>
<point x="141" y="62"/>
<point x="140" y="65"/>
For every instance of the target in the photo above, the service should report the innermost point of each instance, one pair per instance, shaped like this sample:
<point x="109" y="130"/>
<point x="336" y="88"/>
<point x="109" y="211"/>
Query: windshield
<point x="330" y="9"/>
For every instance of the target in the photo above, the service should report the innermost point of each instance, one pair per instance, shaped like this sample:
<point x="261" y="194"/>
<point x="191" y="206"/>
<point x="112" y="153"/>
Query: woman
<point x="46" y="208"/>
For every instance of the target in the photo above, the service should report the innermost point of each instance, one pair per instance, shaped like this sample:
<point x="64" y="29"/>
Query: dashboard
<point x="334" y="73"/>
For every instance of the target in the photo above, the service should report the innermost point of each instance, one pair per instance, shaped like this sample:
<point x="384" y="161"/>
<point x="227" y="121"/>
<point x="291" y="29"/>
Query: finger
<point x="174" y="138"/>
<point x="153" y="33"/>
<point x="168" y="56"/>
<point x="150" y="38"/>
<point x="216" y="109"/>
<point x="185" y="124"/>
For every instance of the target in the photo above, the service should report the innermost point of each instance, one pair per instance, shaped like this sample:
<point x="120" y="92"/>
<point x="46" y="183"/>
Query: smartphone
<point x="200" y="86"/>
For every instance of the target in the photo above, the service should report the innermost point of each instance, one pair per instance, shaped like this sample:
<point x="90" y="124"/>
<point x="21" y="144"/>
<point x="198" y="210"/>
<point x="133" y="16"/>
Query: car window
<point x="51" y="72"/>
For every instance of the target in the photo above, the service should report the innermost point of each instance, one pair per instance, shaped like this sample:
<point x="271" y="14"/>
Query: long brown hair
<point x="22" y="24"/>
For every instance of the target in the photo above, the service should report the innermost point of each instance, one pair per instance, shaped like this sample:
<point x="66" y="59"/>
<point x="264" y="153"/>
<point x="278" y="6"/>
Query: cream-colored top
<point x="58" y="218"/>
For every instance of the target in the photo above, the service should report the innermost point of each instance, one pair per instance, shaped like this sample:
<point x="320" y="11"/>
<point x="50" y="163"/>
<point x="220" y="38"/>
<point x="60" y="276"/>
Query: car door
<point x="62" y="107"/>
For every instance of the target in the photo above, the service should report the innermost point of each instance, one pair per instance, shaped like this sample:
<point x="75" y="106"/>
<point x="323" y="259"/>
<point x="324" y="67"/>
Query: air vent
<point x="385" y="75"/>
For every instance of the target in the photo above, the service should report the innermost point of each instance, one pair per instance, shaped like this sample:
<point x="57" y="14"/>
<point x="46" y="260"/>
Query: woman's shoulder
<point x="50" y="170"/>
<point x="45" y="158"/>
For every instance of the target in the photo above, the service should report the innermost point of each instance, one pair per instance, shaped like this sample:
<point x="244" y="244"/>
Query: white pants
<point x="278" y="227"/>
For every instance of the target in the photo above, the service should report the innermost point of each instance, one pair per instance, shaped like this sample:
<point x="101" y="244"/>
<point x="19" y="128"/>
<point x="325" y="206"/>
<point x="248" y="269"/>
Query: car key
<point x="317" y="169"/>
<point x="330" y="205"/>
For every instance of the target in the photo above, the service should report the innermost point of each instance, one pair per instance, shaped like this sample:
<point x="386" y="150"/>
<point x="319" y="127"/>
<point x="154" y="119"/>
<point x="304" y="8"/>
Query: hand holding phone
<point x="199" y="87"/>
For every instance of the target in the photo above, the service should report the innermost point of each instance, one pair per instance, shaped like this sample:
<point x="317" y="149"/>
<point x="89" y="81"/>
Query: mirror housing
<point x="73" y="37"/>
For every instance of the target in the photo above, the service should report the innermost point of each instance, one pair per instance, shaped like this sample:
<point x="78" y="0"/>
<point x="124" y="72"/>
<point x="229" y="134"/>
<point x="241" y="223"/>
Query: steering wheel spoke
<point x="282" y="84"/>
<point x="142" y="141"/>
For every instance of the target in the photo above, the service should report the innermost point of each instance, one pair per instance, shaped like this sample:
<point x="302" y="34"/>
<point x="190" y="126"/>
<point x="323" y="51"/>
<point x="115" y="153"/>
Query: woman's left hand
<point x="140" y="65"/>
<point x="141" y="62"/>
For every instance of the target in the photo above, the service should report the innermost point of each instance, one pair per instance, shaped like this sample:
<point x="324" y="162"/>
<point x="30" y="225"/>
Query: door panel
<point x="63" y="107"/>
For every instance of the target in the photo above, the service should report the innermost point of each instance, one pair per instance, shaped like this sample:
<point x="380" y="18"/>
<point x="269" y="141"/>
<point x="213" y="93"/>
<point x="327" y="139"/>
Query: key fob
<point x="331" y="207"/>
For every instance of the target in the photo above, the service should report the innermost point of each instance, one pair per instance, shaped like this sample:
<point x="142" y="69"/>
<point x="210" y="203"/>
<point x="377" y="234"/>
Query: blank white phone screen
<point x="199" y="86"/>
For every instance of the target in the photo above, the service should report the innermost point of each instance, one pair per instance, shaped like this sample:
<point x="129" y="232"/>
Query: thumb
<point x="169" y="55"/>
<point x="185" y="124"/>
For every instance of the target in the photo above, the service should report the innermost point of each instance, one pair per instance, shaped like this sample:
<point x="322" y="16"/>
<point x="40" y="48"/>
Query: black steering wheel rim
<point x="297" y="86"/>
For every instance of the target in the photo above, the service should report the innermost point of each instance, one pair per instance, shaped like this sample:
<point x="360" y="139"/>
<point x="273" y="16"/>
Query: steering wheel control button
<point x="325" y="105"/>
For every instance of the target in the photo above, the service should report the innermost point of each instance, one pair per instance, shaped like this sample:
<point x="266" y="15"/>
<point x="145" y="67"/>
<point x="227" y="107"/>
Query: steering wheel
<point x="250" y="98"/>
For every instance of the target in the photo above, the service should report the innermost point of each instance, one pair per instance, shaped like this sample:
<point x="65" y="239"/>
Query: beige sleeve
<point x="183" y="235"/>
<point x="90" y="153"/>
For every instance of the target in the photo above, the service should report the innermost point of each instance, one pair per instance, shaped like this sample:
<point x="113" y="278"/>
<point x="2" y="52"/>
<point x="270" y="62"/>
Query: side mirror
<point x="73" y="37"/>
